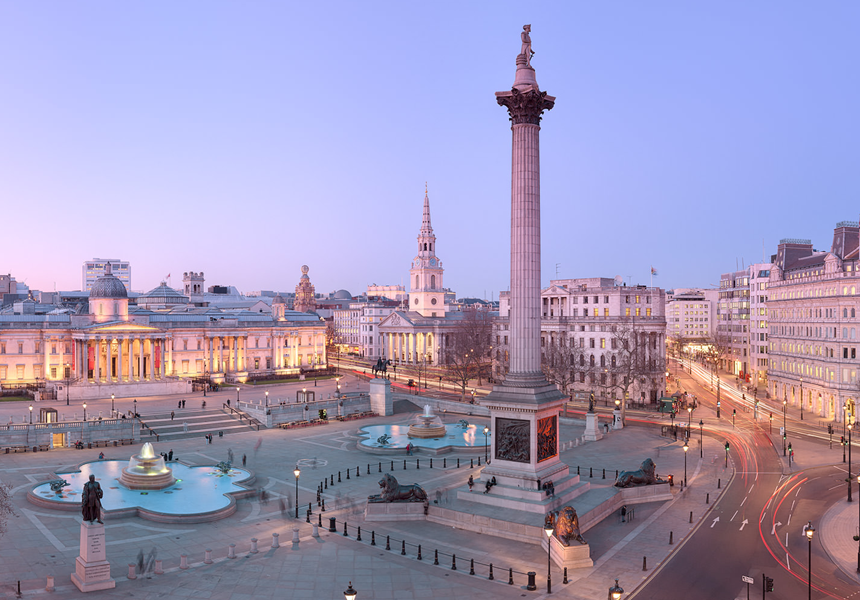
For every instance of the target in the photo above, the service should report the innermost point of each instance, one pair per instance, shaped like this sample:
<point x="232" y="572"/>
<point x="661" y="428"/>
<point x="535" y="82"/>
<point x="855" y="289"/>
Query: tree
<point x="558" y="362"/>
<point x="468" y="352"/>
<point x="635" y="358"/>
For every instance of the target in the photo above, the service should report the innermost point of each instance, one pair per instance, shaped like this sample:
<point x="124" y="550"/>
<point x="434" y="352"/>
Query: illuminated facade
<point x="134" y="351"/>
<point x="95" y="268"/>
<point x="691" y="315"/>
<point x="813" y="308"/>
<point x="305" y="298"/>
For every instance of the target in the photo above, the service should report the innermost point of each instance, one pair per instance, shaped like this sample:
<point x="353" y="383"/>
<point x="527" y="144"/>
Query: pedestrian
<point x="203" y="405"/>
<point x="244" y="460"/>
<point x="183" y="403"/>
<point x="471" y="482"/>
<point x="257" y="445"/>
<point x="179" y="404"/>
<point x="170" y="455"/>
<point x="220" y="434"/>
<point x="171" y="415"/>
<point x="101" y="455"/>
<point x="185" y="426"/>
<point x="624" y="514"/>
<point x="230" y="454"/>
<point x="228" y="402"/>
<point x="210" y="438"/>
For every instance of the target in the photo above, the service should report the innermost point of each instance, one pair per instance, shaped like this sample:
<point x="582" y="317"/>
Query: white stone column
<point x="170" y="370"/>
<point x="119" y="343"/>
<point x="151" y="358"/>
<point x="131" y="359"/>
<point x="221" y="368"/>
<point x="98" y="353"/>
<point x="235" y="353"/>
<point x="414" y="357"/>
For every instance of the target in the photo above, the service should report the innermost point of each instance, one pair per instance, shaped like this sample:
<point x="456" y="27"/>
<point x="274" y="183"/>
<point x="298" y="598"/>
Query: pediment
<point x="396" y="319"/>
<point x="123" y="326"/>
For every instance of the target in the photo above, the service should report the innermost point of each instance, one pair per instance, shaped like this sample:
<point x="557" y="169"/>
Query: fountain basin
<point x="147" y="471"/>
<point x="453" y="438"/>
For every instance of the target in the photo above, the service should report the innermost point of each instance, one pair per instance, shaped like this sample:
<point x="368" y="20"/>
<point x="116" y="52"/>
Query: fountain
<point x="147" y="471"/>
<point x="430" y="427"/>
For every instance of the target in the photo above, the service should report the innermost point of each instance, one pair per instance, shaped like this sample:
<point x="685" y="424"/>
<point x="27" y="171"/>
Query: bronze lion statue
<point x="646" y="475"/>
<point x="394" y="492"/>
<point x="566" y="525"/>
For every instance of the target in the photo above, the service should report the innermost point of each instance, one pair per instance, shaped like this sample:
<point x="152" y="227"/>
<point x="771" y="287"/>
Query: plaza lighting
<point x="267" y="398"/>
<point x="849" y="461"/>
<point x="686" y="447"/>
<point x="297" y="472"/>
<point x="486" y="443"/>
<point x="237" y="397"/>
<point x="548" y="531"/>
<point x="111" y="404"/>
<point x="801" y="398"/>
<point x="350" y="593"/>
<point x="701" y="438"/>
<point x="85" y="411"/>
<point x="809" y="531"/>
<point x="615" y="591"/>
<point x="31" y="414"/>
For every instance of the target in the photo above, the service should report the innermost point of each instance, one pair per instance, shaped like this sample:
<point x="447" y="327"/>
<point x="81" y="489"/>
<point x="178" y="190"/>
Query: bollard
<point x="531" y="585"/>
<point x="436" y="557"/>
<point x="670" y="537"/>
<point x="275" y="543"/>
<point x="472" y="567"/>
<point x="332" y="478"/>
<point x="372" y="538"/>
<point x="392" y="466"/>
<point x="231" y="551"/>
<point x="404" y="464"/>
<point x="511" y="576"/>
<point x="308" y="518"/>
<point x="347" y="473"/>
<point x="358" y="537"/>
<point x="644" y="563"/>
<point x="49" y="587"/>
<point x="565" y="576"/>
<point x="320" y="520"/>
<point x="316" y="531"/>
<point x="604" y="473"/>
<point x="323" y="505"/>
<point x="358" y="471"/>
<point x="616" y="473"/>
<point x="479" y="461"/>
<point x="453" y="562"/>
<point x="590" y="471"/>
<point x="471" y="463"/>
<point x="577" y="469"/>
<point x="417" y="463"/>
<point x="208" y="557"/>
<point x="159" y="568"/>
<point x="708" y="498"/>
<point x="419" y="551"/>
<point x="431" y="463"/>
<point x="718" y="484"/>
<point x="296" y="539"/>
<point x="345" y="534"/>
<point x="254" y="546"/>
<point x="331" y="525"/>
<point x="131" y="571"/>
<point x="491" y="572"/>
<point x="444" y="463"/>
<point x="458" y="463"/>
<point x="338" y="477"/>
<point x="380" y="467"/>
<point x="691" y="516"/>
<point x="326" y="482"/>
<point x="183" y="561"/>
<point x="403" y="548"/>
<point x="388" y="542"/>
<point x="368" y="468"/>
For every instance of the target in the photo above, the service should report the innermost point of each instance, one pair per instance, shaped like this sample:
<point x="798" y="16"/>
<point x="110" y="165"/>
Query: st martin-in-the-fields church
<point x="419" y="335"/>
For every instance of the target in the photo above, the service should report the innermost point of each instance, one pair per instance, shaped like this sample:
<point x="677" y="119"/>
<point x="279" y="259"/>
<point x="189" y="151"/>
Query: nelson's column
<point x="524" y="409"/>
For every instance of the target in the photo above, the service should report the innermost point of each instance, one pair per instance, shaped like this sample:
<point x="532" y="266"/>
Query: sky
<point x="245" y="139"/>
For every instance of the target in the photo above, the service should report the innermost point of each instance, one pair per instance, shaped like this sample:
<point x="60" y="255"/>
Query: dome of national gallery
<point x="278" y="300"/>
<point x="108" y="286"/>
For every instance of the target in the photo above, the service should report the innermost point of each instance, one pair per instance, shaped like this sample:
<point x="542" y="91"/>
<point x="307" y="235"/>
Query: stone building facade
<point x="813" y="308"/>
<point x="306" y="300"/>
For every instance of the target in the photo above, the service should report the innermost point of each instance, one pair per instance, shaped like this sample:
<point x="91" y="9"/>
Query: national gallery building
<point x="154" y="347"/>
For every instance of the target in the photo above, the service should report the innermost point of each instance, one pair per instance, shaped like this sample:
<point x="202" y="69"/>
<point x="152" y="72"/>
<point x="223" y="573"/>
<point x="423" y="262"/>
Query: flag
<point x="653" y="271"/>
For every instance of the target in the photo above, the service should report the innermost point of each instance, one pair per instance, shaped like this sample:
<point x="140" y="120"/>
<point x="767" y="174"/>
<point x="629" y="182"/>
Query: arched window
<point x="602" y="360"/>
<point x="613" y="362"/>
<point x="432" y="282"/>
<point x="592" y="360"/>
<point x="844" y="313"/>
<point x="116" y="308"/>
<point x="100" y="309"/>
<point x="852" y="313"/>
<point x="581" y="360"/>
<point x="425" y="245"/>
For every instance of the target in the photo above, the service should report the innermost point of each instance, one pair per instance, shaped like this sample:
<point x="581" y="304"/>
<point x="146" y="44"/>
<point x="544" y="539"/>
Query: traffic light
<point x="727" y="446"/>
<point x="842" y="441"/>
<point x="734" y="411"/>
<point x="790" y="451"/>
<point x="768" y="584"/>
<point x="830" y="428"/>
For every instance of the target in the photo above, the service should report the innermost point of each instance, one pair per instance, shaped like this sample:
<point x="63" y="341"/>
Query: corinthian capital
<point x="525" y="107"/>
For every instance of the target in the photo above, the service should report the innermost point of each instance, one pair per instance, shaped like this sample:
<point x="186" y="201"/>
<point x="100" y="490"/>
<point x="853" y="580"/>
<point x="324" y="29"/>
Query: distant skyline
<point x="247" y="139"/>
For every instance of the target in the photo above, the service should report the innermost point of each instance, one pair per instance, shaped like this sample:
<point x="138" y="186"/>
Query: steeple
<point x="426" y="228"/>
<point x="426" y="239"/>
<point x="426" y="294"/>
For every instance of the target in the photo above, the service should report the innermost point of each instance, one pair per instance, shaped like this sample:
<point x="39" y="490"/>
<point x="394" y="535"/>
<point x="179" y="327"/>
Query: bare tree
<point x="558" y="362"/>
<point x="468" y="352"/>
<point x="635" y="358"/>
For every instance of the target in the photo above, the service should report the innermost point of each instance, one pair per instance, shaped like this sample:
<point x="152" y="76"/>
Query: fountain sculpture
<point x="147" y="471"/>
<point x="430" y="427"/>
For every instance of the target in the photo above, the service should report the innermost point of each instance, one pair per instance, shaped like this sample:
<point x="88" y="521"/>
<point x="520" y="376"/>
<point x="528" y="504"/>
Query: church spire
<point x="426" y="228"/>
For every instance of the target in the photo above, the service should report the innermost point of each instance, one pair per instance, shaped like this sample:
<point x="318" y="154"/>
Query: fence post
<point x="373" y="538"/>
<point x="453" y="562"/>
<point x="671" y="533"/>
<point x="565" y="576"/>
<point x="436" y="557"/>
<point x="254" y="546"/>
<point x="491" y="572"/>
<point x="131" y="571"/>
<point x="388" y="542"/>
<point x="472" y="567"/>
<point x="419" y="551"/>
<point x="644" y="563"/>
<point x="358" y="537"/>
<point x="403" y="548"/>
<point x="345" y="534"/>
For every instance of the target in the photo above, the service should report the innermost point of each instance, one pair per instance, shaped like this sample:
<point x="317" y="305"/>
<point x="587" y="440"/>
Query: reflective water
<point x="455" y="435"/>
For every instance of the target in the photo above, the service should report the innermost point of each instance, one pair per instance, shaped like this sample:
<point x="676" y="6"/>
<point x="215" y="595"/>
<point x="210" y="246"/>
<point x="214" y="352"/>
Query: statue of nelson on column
<point x="91" y="500"/>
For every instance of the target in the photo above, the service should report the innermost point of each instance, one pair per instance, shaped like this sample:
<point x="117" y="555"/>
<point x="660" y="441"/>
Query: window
<point x="2" y="371"/>
<point x="648" y="311"/>
<point x="185" y="347"/>
<point x="596" y="312"/>
<point x="638" y="310"/>
<point x="53" y="372"/>
<point x="603" y="342"/>
<point x="20" y="351"/>
<point x="626" y="312"/>
<point x="605" y="312"/>
<point x="591" y="342"/>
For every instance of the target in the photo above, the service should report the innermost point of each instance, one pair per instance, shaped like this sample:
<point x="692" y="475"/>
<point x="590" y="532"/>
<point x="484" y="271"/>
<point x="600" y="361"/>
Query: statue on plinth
<point x="591" y="403"/>
<point x="526" y="50"/>
<point x="91" y="500"/>
<point x="394" y="492"/>
<point x="565" y="524"/>
<point x="646" y="475"/>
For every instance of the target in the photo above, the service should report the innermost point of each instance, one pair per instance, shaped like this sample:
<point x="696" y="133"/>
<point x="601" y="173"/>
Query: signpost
<point x="748" y="581"/>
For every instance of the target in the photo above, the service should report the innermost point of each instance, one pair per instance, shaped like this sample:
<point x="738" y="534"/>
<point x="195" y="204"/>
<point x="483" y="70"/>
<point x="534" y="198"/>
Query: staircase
<point x="200" y="422"/>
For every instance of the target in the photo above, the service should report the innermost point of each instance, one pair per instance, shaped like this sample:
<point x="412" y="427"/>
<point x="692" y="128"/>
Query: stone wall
<point x="276" y="414"/>
<point x="42" y="434"/>
<point x="440" y="407"/>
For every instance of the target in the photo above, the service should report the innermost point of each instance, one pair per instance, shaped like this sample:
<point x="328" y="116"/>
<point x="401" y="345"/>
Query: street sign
<point x="746" y="579"/>
<point x="782" y="431"/>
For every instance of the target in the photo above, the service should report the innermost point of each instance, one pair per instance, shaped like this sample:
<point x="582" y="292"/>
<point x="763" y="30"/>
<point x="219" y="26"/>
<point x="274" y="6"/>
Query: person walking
<point x="471" y="482"/>
<point x="244" y="460"/>
<point x="179" y="404"/>
<point x="171" y="415"/>
<point x="185" y="426"/>
<point x="183" y="403"/>
<point x="170" y="455"/>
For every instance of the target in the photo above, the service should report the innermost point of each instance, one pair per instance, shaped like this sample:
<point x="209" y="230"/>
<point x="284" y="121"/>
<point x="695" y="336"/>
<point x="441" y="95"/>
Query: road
<point x="756" y="527"/>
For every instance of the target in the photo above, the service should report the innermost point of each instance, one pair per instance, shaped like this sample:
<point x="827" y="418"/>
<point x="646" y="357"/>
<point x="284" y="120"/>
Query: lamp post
<point x="68" y="378"/>
<point x="135" y="407"/>
<point x="350" y="593"/>
<point x="858" y="525"/>
<point x="809" y="530"/>
<point x="31" y="414"/>
<point x="85" y="411"/>
<point x="801" y="398"/>
<point x="486" y="442"/>
<point x="237" y="397"/>
<point x="297" y="472"/>
<point x="849" y="461"/>
<point x="267" y="398"/>
<point x="548" y="531"/>
<point x="701" y="438"/>
<point x="784" y="429"/>
<point x="686" y="447"/>
<point x="111" y="405"/>
<point x="844" y="419"/>
<point x="304" y="394"/>
<point x="615" y="592"/>
<point x="690" y="419"/>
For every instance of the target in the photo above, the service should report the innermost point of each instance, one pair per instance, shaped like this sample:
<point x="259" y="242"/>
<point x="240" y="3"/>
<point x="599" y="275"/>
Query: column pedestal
<point x="592" y="428"/>
<point x="92" y="570"/>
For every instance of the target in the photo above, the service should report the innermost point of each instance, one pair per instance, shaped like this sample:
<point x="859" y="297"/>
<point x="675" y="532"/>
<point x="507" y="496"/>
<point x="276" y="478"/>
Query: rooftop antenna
<point x="557" y="265"/>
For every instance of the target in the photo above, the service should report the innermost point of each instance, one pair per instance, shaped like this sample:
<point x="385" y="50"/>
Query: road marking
<point x="744" y="500"/>
<point x="786" y="540"/>
<point x="743" y="524"/>
<point x="787" y="564"/>
<point x="751" y="489"/>
<point x="715" y="522"/>
<point x="733" y="516"/>
<point x="775" y="525"/>
<point x="789" y="521"/>
<point x="762" y="517"/>
<point x="836" y="486"/>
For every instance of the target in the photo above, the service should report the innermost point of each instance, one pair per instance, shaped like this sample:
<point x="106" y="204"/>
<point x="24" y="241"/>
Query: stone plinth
<point x="92" y="570"/>
<point x="380" y="397"/>
<point x="592" y="428"/>
<point x="394" y="511"/>
<point x="617" y="423"/>
<point x="575" y="556"/>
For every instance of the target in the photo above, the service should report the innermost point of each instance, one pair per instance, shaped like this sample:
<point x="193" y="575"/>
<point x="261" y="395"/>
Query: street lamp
<point x="784" y="430"/>
<point x="85" y="411"/>
<point x="849" y="461"/>
<point x="486" y="443"/>
<point x="297" y="472"/>
<point x="267" y="398"/>
<point x="135" y="407"/>
<point x="31" y="414"/>
<point x="615" y="592"/>
<point x="844" y="420"/>
<point x="858" y="525"/>
<point x="686" y="447"/>
<point x="350" y="593"/>
<point x="237" y="397"/>
<point x="690" y="420"/>
<point x="701" y="438"/>
<point x="304" y="394"/>
<point x="548" y="531"/>
<point x="809" y="530"/>
<point x="801" y="398"/>
<point x="68" y="377"/>
<point x="111" y="404"/>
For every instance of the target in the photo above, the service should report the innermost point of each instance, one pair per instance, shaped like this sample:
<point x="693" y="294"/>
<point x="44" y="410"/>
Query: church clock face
<point x="417" y="263"/>
<point x="432" y="262"/>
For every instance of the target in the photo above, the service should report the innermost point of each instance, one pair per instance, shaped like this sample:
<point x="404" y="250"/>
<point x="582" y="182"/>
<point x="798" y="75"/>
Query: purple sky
<point x="245" y="139"/>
